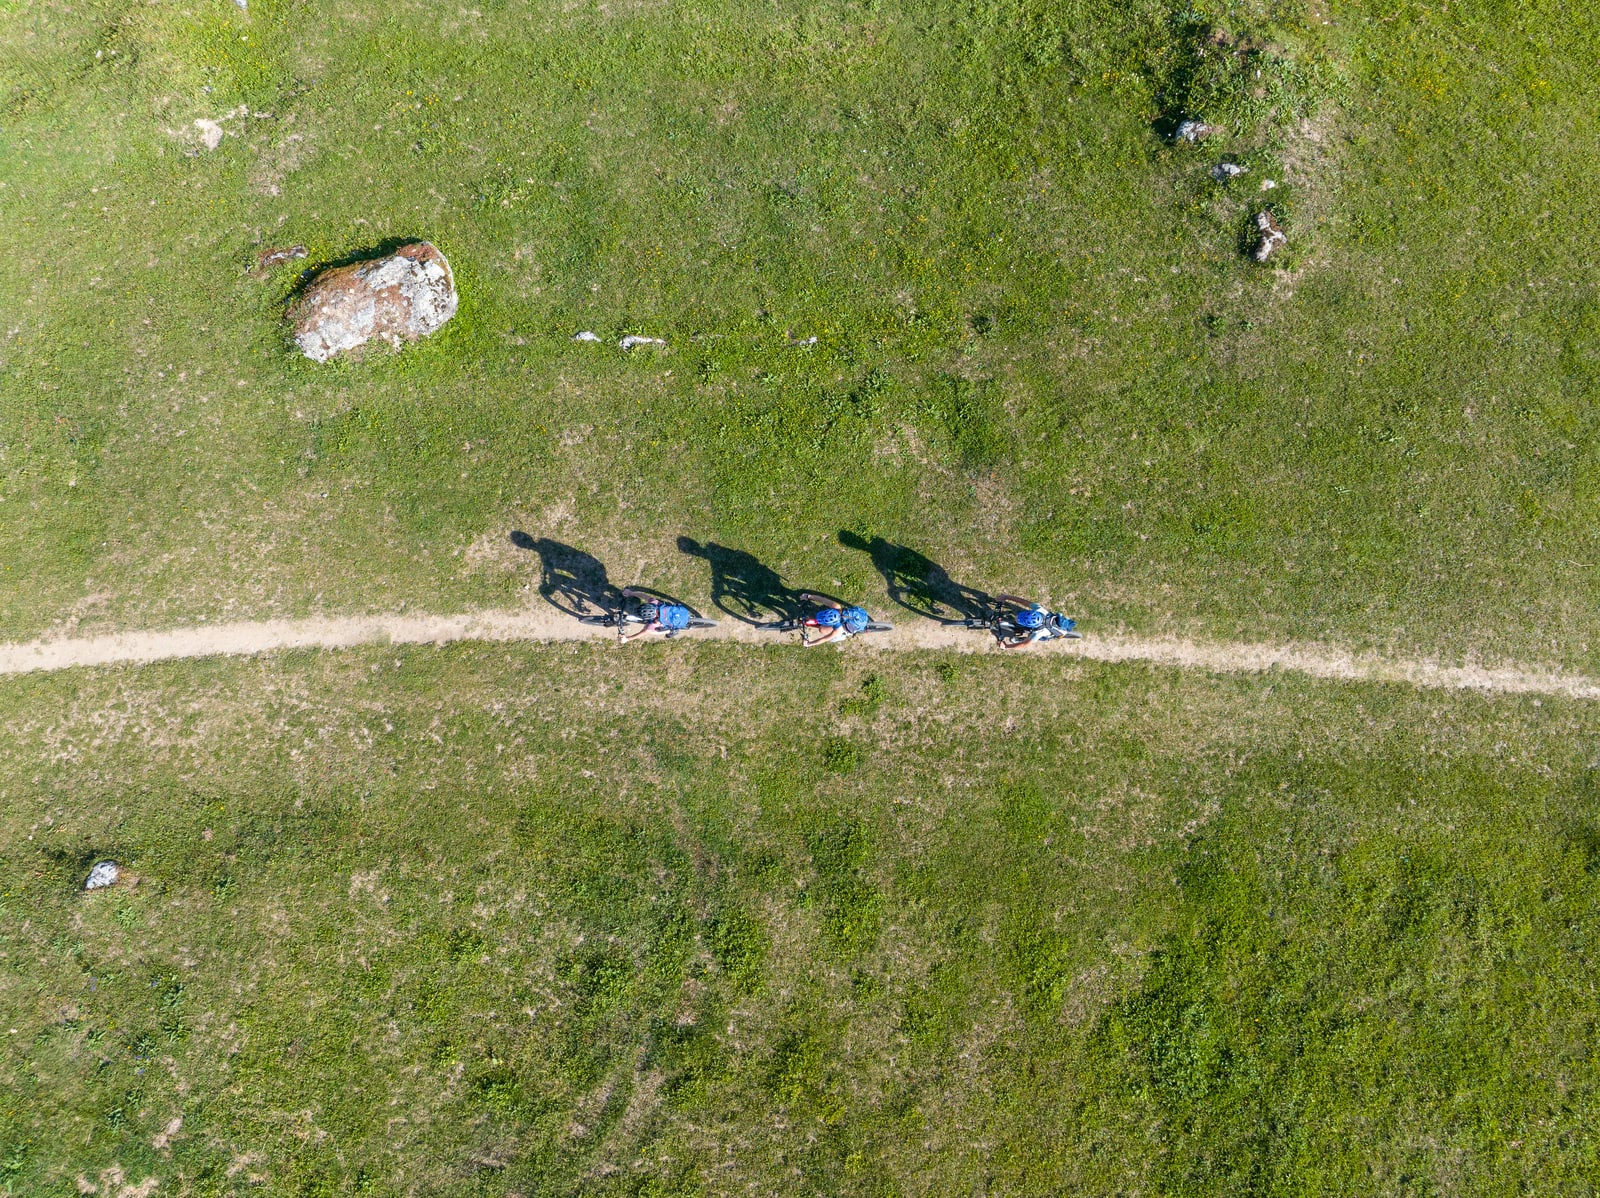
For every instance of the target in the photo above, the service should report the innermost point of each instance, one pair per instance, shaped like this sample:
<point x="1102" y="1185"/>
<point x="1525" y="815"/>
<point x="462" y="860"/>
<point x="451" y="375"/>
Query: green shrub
<point x="866" y="702"/>
<point x="739" y="945"/>
<point x="840" y="755"/>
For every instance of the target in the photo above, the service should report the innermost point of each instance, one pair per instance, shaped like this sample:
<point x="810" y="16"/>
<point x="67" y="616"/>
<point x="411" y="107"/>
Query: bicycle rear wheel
<point x="702" y="622"/>
<point x="878" y="628"/>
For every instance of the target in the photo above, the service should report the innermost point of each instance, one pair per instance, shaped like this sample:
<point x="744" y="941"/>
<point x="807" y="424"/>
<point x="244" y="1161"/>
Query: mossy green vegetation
<point x="1043" y="357"/>
<point x="570" y="920"/>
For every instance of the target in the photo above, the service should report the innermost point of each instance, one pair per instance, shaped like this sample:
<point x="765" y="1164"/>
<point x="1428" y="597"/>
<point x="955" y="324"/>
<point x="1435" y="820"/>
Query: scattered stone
<point x="1195" y="131"/>
<point x="1272" y="236"/>
<point x="267" y="259"/>
<point x="799" y="340"/>
<point x="586" y="335"/>
<point x="630" y="341"/>
<point x="405" y="296"/>
<point x="105" y="873"/>
<point x="1268" y="184"/>
<point x="1224" y="171"/>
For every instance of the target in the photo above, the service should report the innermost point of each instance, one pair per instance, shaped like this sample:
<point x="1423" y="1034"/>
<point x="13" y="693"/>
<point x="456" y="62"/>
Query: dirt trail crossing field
<point x="1319" y="661"/>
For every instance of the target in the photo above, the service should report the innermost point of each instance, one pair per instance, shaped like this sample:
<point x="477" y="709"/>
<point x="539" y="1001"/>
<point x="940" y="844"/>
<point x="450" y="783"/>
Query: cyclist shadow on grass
<point x="743" y="587"/>
<point x="572" y="581"/>
<point x="919" y="584"/>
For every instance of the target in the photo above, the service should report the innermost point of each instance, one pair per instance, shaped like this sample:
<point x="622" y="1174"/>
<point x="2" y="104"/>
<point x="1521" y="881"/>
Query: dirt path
<point x="546" y="624"/>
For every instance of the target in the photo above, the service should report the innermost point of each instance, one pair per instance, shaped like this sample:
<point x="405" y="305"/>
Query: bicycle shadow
<point x="572" y="581"/>
<point x="918" y="583"/>
<point x="742" y="586"/>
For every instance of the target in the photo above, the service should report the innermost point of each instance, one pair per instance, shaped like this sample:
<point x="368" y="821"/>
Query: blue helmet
<point x="827" y="617"/>
<point x="854" y="619"/>
<point x="1030" y="619"/>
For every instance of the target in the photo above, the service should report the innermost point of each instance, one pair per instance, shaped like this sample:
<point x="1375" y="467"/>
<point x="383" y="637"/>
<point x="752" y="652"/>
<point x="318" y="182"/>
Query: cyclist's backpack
<point x="854" y="619"/>
<point x="673" y="616"/>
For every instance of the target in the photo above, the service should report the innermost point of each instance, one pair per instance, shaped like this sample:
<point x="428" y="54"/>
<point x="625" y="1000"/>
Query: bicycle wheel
<point x="878" y="628"/>
<point x="701" y="622"/>
<point x="598" y="621"/>
<point x="973" y="622"/>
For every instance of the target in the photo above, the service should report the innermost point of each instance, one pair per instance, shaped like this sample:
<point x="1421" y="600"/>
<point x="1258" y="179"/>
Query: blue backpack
<point x="673" y="616"/>
<point x="854" y="619"/>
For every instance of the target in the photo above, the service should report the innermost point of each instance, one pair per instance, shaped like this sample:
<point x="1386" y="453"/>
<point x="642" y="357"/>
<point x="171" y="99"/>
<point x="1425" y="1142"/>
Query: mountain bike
<point x="801" y="623"/>
<point x="629" y="618"/>
<point x="1004" y="626"/>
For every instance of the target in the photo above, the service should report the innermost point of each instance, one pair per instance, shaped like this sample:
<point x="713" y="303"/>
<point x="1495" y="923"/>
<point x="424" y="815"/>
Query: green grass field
<point x="710" y="920"/>
<point x="538" y="921"/>
<point x="1044" y="359"/>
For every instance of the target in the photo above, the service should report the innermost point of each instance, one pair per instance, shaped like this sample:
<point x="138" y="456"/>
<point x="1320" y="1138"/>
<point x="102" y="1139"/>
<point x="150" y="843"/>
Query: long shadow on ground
<point x="919" y="584"/>
<point x="742" y="586"/>
<point x="573" y="581"/>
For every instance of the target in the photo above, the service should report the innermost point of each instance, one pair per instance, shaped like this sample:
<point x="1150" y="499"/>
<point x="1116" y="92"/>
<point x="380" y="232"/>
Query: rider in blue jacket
<point x="668" y="618"/>
<point x="838" y="621"/>
<point x="1035" y="623"/>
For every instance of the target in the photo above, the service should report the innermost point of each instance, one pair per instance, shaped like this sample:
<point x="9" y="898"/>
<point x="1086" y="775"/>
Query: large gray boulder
<point x="399" y="298"/>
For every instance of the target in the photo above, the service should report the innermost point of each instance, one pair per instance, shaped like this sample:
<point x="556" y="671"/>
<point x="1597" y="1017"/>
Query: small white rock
<point x="1194" y="131"/>
<point x="104" y="874"/>
<point x="1268" y="184"/>
<point x="630" y="341"/>
<point x="1272" y="236"/>
<point x="1228" y="170"/>
<point x="586" y="335"/>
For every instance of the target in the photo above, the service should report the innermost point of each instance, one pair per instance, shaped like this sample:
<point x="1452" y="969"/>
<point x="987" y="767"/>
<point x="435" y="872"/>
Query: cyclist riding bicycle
<point x="1034" y="623"/>
<point x="839" y="622"/>
<point x="658" y="616"/>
